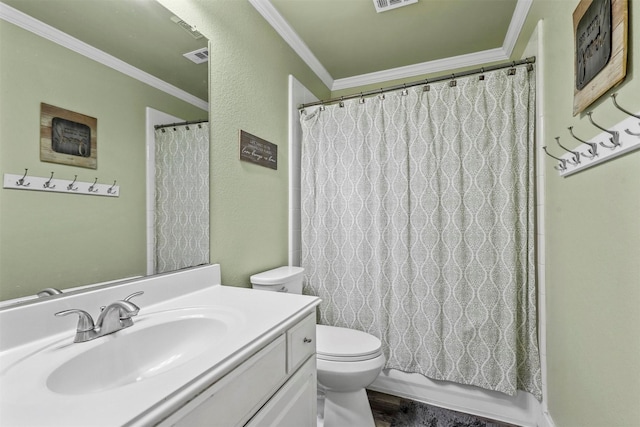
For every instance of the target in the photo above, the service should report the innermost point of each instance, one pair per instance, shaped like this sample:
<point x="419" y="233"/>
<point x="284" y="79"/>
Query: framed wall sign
<point x="600" y="51"/>
<point x="257" y="150"/>
<point x="68" y="137"/>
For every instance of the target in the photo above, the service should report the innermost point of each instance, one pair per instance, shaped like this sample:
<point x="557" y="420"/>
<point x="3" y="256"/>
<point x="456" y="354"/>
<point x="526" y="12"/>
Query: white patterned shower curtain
<point x="418" y="227"/>
<point x="182" y="197"/>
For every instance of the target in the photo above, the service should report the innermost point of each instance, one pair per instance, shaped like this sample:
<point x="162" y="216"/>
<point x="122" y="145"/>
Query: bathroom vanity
<point x="198" y="353"/>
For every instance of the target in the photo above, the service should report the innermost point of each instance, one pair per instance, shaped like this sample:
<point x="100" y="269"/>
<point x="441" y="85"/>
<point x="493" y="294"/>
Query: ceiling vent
<point x="385" y="5"/>
<point x="198" y="56"/>
<point x="188" y="28"/>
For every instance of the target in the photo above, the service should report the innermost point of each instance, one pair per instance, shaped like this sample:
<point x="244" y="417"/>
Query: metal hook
<point x="361" y="101"/>
<point x="512" y="70"/>
<point x="426" y="87"/>
<point x="453" y="82"/>
<point x="615" y="139"/>
<point x="70" y="187"/>
<point x="593" y="151"/>
<point x="110" y="190"/>
<point x="575" y="154"/>
<point x="341" y="103"/>
<point x="563" y="162"/>
<point x="481" y="76"/>
<point x="322" y="106"/>
<point x="20" y="182"/>
<point x="381" y="95"/>
<point x="613" y="97"/>
<point x="404" y="92"/>
<point x="48" y="183"/>
<point x="92" y="188"/>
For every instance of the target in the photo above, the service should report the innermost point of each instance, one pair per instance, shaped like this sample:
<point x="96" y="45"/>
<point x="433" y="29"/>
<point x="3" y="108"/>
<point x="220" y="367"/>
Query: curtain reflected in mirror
<point x="181" y="196"/>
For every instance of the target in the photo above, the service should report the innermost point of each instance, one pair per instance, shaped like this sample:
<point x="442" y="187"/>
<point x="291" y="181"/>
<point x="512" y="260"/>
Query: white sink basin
<point x="136" y="354"/>
<point x="156" y="344"/>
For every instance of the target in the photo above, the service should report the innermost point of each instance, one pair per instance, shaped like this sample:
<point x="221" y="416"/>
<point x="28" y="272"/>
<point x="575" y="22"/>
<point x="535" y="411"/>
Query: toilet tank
<point x="281" y="279"/>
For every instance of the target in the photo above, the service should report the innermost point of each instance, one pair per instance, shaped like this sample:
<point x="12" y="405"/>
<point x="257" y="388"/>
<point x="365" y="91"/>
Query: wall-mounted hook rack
<point x="620" y="143"/>
<point x="637" y="116"/>
<point x="55" y="185"/>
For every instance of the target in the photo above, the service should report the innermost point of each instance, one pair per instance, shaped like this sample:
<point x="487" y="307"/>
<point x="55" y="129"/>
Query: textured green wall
<point x="64" y="240"/>
<point x="592" y="244"/>
<point x="249" y="65"/>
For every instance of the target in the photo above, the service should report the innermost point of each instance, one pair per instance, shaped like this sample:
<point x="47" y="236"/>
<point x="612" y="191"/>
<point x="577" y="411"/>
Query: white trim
<point x="273" y="17"/>
<point x="517" y="21"/>
<point x="54" y="35"/>
<point x="476" y="58"/>
<point x="282" y="27"/>
<point x="522" y="409"/>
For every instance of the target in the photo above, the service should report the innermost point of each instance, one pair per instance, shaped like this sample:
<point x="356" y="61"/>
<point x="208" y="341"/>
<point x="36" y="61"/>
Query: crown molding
<point x="273" y="17"/>
<point x="282" y="27"/>
<point x="452" y="63"/>
<point x="54" y="35"/>
<point x="517" y="22"/>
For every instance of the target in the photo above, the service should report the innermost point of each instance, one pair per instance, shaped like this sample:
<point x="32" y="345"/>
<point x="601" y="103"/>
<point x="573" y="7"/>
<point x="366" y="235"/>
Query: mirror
<point x="65" y="241"/>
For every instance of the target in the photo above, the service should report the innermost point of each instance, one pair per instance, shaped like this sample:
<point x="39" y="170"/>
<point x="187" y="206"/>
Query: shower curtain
<point x="418" y="226"/>
<point x="182" y="197"/>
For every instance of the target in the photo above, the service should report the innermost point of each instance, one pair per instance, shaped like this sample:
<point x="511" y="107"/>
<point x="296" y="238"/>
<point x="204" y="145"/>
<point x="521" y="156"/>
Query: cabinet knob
<point x="307" y="340"/>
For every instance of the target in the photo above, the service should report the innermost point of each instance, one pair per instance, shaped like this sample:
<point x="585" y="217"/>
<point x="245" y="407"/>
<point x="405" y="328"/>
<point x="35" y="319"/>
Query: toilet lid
<point x="343" y="344"/>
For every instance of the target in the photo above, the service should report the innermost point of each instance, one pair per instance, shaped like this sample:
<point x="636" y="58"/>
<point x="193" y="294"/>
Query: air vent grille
<point x="198" y="56"/>
<point x="188" y="28"/>
<point x="385" y="5"/>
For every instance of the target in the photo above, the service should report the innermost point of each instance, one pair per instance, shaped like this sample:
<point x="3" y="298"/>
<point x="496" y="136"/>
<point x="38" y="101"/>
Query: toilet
<point x="347" y="360"/>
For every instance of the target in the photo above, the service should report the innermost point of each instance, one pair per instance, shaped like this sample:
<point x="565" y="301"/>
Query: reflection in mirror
<point x="110" y="60"/>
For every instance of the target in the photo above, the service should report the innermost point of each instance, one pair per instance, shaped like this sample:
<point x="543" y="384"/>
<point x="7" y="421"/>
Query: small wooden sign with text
<point x="257" y="150"/>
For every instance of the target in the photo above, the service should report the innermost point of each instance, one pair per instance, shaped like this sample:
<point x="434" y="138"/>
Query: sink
<point x="156" y="344"/>
<point x="137" y="355"/>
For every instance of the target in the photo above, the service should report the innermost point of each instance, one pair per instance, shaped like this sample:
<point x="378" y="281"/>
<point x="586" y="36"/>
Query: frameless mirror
<point x="142" y="34"/>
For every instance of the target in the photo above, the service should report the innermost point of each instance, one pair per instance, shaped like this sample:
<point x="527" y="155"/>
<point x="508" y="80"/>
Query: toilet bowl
<point x="347" y="360"/>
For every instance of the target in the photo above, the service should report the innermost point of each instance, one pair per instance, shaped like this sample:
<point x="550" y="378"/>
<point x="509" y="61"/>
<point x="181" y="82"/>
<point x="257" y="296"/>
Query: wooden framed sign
<point x="257" y="150"/>
<point x="600" y="30"/>
<point x="67" y="137"/>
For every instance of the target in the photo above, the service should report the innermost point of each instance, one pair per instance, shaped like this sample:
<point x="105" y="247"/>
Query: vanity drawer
<point x="301" y="342"/>
<point x="239" y="395"/>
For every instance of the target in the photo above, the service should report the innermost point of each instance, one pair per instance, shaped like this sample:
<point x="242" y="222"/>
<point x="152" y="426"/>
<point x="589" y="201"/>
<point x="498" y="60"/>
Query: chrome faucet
<point x="112" y="318"/>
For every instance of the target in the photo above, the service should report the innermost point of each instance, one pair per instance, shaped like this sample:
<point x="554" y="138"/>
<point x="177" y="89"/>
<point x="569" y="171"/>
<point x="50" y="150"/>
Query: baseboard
<point x="522" y="409"/>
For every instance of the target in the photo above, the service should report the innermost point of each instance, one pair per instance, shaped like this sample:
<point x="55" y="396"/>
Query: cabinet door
<point x="295" y="404"/>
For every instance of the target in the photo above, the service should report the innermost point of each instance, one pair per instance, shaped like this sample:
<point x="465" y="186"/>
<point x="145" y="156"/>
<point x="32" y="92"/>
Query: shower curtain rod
<point x="530" y="60"/>
<point x="195" y="122"/>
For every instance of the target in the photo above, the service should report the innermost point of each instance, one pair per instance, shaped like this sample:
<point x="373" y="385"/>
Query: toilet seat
<point x="345" y="345"/>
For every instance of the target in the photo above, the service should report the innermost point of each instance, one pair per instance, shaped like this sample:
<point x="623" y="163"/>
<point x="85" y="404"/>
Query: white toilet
<point x="347" y="360"/>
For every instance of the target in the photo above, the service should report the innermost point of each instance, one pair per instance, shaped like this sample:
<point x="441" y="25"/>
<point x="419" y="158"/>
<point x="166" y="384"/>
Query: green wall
<point x="592" y="231"/>
<point x="249" y="65"/>
<point x="65" y="240"/>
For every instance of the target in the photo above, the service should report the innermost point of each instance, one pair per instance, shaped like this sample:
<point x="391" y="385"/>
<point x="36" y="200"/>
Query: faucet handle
<point x="85" y="321"/>
<point x="135" y="294"/>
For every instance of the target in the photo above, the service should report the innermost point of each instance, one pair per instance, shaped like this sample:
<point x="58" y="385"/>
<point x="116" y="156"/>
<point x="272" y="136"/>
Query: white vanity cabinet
<point x="274" y="387"/>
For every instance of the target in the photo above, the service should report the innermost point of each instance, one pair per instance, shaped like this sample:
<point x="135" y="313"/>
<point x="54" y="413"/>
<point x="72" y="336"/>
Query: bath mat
<point x="416" y="414"/>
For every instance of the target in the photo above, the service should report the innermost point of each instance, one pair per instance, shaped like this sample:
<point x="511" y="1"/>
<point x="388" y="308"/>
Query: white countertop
<point x="25" y="398"/>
